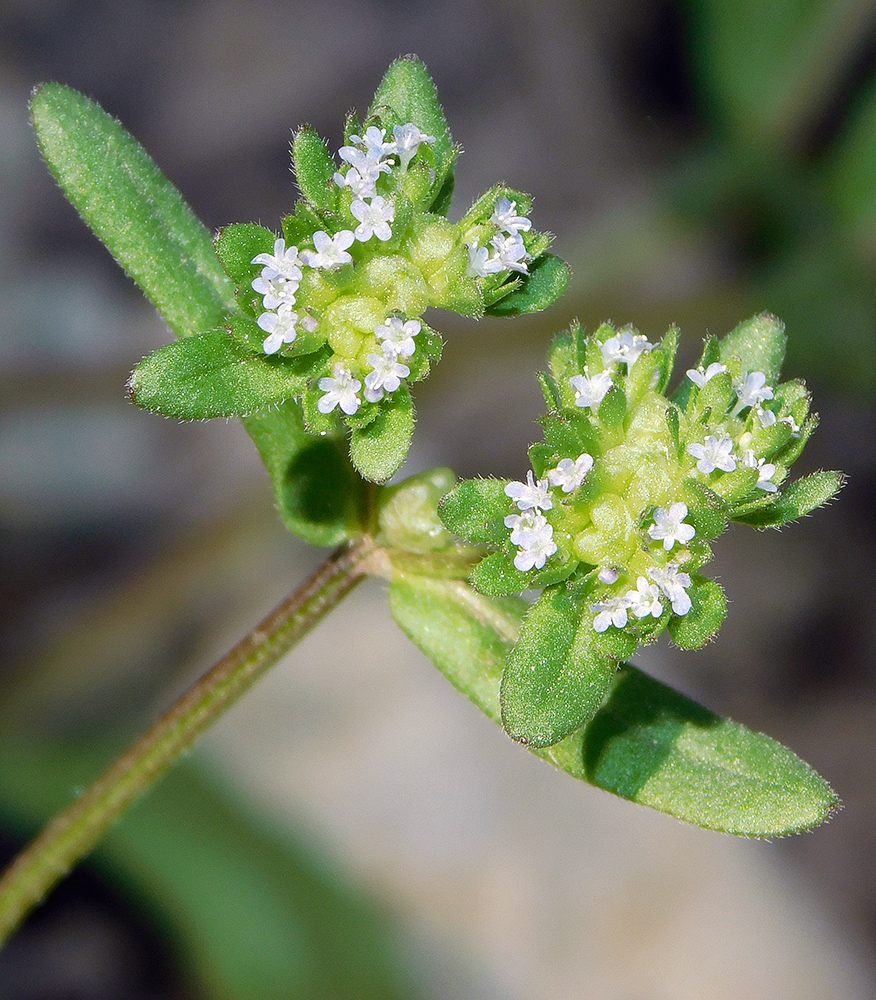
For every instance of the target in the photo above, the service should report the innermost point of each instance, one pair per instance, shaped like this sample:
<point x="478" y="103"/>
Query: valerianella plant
<point x="312" y="336"/>
<point x="627" y="492"/>
<point x="328" y="312"/>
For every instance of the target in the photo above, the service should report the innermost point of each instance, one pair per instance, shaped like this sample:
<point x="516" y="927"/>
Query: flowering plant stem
<point x="72" y="834"/>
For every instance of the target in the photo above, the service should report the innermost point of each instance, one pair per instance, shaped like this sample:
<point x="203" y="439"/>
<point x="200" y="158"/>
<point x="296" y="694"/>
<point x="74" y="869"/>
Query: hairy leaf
<point x="133" y="209"/>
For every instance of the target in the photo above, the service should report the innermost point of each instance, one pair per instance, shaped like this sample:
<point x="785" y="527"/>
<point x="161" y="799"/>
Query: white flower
<point x="340" y="390"/>
<point x="374" y="142"/>
<point x="310" y="324"/>
<point x="361" y="186"/>
<point x="669" y="526"/>
<point x="374" y="219"/>
<point x="398" y="335"/>
<point x="674" y="586"/>
<point x="530" y="494"/>
<point x="480" y="263"/>
<point x="625" y="348"/>
<point x="504" y="216"/>
<point x="792" y="423"/>
<point x="766" y="417"/>
<point x="713" y="454"/>
<point x="408" y="139"/>
<point x="533" y="535"/>
<point x="751" y="390"/>
<point x="510" y="252"/>
<point x="276" y="291"/>
<point x="570" y="475"/>
<point x="368" y="165"/>
<point x="282" y="263"/>
<point x="385" y="376"/>
<point x="612" y="611"/>
<point x="280" y="326"/>
<point x="765" y="471"/>
<point x="609" y="574"/>
<point x="590" y="390"/>
<point x="700" y="377"/>
<point x="645" y="599"/>
<point x="330" y="250"/>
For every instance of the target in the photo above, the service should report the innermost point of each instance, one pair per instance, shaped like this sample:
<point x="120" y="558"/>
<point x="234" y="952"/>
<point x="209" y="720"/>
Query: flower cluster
<point x="631" y="486"/>
<point x="509" y="252"/>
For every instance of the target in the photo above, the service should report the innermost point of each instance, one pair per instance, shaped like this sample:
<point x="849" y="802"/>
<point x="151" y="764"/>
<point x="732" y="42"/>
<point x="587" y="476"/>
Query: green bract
<point x="328" y="310"/>
<point x="626" y="494"/>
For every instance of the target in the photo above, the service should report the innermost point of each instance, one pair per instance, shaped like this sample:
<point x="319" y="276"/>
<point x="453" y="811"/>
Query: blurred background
<point x="354" y="828"/>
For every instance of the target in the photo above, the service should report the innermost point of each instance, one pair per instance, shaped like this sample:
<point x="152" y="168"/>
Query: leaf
<point x="133" y="209"/>
<point x="321" y="498"/>
<point x="651" y="745"/>
<point x="547" y="280"/>
<point x="700" y="625"/>
<point x="236" y="245"/>
<point x="759" y="345"/>
<point x="555" y="678"/>
<point x="476" y="510"/>
<point x="647" y="743"/>
<point x="796" y="500"/>
<point x="212" y="375"/>
<point x="314" y="169"/>
<point x="379" y="449"/>
<point x="407" y="94"/>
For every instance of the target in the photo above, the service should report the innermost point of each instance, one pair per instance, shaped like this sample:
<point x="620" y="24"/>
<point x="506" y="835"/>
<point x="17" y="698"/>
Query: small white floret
<point x="674" y="585"/>
<point x="408" y="139"/>
<point x="645" y="599"/>
<point x="568" y="474"/>
<point x="590" y="390"/>
<point x="510" y="253"/>
<point x="280" y="327"/>
<point x="398" y="335"/>
<point x="669" y="526"/>
<point x="506" y="218"/>
<point x="625" y="348"/>
<point x="612" y="611"/>
<point x="340" y="389"/>
<point x="530" y="494"/>
<point x="282" y="263"/>
<point x="480" y="263"/>
<point x="385" y="376"/>
<point x="330" y="251"/>
<point x="374" y="219"/>
<point x="714" y="453"/>
<point x="700" y="377"/>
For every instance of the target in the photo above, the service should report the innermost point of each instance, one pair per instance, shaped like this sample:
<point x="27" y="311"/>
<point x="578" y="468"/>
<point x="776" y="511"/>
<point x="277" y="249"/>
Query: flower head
<point x="276" y="292"/>
<point x="611" y="611"/>
<point x="669" y="526"/>
<point x="341" y="390"/>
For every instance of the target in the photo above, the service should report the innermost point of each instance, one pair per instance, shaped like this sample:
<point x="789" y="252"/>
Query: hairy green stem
<point x="75" y="831"/>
